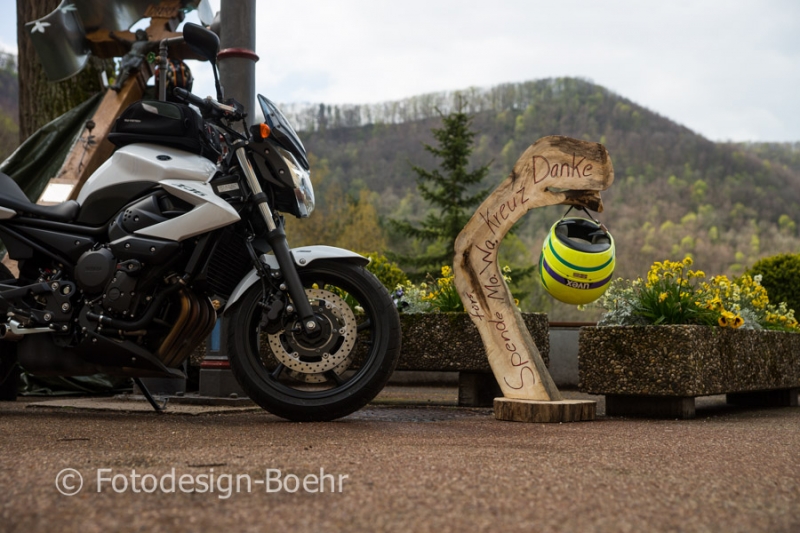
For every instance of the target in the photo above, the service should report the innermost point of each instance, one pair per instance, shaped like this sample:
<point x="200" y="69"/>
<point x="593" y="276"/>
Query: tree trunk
<point x="41" y="100"/>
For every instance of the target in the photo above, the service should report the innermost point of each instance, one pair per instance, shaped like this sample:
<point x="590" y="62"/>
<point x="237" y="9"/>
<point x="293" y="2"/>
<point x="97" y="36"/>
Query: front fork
<point x="276" y="237"/>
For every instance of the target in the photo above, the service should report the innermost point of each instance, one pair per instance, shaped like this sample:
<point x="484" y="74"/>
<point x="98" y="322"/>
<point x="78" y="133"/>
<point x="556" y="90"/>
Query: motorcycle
<point x="184" y="223"/>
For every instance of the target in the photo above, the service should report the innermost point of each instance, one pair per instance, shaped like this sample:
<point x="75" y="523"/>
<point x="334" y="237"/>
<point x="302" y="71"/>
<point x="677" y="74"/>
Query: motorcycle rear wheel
<point x="322" y="378"/>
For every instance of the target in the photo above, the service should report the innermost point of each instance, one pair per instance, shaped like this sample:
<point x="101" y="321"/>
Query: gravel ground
<point x="409" y="467"/>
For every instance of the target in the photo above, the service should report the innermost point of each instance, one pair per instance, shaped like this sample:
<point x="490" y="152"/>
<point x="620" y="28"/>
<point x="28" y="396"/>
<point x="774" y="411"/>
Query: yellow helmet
<point x="577" y="260"/>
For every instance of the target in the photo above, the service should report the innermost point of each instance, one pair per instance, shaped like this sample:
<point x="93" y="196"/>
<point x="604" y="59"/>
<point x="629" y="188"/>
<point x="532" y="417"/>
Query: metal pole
<point x="237" y="57"/>
<point x="162" y="70"/>
<point x="237" y="69"/>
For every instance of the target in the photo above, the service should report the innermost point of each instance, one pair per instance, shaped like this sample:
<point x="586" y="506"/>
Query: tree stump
<point x="554" y="170"/>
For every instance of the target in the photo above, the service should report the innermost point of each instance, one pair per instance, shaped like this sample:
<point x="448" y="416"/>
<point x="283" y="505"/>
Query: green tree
<point x="41" y="100"/>
<point x="339" y="219"/>
<point x="447" y="189"/>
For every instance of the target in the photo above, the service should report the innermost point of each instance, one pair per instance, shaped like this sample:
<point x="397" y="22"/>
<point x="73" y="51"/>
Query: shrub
<point x="387" y="272"/>
<point x="780" y="275"/>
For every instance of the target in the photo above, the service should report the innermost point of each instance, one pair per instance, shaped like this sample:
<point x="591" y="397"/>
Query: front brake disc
<point x="308" y="358"/>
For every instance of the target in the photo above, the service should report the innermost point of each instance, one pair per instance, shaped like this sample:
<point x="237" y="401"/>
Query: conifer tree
<point x="447" y="189"/>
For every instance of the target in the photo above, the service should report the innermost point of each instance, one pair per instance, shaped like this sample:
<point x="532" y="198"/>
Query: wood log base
<point x="542" y="412"/>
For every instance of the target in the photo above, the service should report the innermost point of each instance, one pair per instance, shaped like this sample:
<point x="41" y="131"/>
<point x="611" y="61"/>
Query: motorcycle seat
<point x="12" y="197"/>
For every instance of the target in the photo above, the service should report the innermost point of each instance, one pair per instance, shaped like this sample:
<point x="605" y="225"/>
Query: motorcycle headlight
<point x="301" y="180"/>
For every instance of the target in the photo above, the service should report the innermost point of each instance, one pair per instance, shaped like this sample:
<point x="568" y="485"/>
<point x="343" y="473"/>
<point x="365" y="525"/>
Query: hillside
<point x="675" y="192"/>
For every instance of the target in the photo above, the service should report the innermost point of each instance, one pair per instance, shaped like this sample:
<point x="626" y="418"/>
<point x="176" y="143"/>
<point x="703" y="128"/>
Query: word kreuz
<point x="494" y="220"/>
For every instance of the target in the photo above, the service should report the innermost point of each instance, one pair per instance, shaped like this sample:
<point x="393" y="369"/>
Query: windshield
<point x="281" y="131"/>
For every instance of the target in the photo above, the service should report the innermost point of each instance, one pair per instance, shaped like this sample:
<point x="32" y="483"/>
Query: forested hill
<point x="675" y="192"/>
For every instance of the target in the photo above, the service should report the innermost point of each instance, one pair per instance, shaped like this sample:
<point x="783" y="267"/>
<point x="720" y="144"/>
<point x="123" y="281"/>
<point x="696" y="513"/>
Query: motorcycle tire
<point x="320" y="378"/>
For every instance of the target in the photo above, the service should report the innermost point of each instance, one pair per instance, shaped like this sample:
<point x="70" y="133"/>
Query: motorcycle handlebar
<point x="186" y="96"/>
<point x="208" y="104"/>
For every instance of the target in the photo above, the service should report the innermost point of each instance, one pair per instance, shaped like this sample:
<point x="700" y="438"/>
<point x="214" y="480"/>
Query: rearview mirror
<point x="201" y="41"/>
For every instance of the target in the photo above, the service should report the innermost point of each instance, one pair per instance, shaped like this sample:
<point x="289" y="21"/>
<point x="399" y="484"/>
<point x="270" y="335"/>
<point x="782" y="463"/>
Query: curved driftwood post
<point x="554" y="170"/>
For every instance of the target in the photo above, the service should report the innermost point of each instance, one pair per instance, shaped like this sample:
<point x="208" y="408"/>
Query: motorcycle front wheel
<point x="328" y="375"/>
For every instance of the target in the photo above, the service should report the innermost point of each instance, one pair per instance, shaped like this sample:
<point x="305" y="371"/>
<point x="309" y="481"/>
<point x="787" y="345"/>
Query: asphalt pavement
<point x="411" y="461"/>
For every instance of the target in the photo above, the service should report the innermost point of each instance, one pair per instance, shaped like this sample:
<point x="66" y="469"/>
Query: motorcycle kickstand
<point x="149" y="397"/>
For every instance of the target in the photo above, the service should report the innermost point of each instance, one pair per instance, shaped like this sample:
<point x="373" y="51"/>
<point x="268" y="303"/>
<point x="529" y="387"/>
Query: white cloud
<point x="704" y="65"/>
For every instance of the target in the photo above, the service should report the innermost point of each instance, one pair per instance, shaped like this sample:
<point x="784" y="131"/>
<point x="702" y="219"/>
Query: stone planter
<point x="450" y="342"/>
<point x="659" y="370"/>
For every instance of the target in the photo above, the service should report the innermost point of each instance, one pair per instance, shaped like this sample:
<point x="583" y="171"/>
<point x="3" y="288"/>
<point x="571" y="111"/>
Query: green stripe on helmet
<point x="576" y="267"/>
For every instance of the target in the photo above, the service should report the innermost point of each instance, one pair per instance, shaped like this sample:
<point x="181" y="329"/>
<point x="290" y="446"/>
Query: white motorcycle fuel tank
<point x="147" y="162"/>
<point x="137" y="167"/>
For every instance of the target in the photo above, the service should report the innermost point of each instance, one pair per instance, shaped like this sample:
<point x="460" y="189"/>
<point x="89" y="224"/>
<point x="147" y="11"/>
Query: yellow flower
<point x="687" y="261"/>
<point x="723" y="322"/>
<point x="446" y="271"/>
<point x="737" y="322"/>
<point x="662" y="296"/>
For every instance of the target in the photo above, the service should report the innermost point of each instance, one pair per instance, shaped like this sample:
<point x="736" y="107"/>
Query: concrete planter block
<point x="451" y="342"/>
<point x="663" y="366"/>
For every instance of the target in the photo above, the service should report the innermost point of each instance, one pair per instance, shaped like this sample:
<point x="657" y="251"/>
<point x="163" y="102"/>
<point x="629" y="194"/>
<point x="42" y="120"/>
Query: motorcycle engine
<point x="99" y="271"/>
<point x="116" y="290"/>
<point x="94" y="270"/>
<point x="113" y="269"/>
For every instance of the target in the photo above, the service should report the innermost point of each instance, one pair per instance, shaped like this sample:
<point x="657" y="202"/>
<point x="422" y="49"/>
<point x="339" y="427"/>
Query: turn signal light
<point x="260" y="131"/>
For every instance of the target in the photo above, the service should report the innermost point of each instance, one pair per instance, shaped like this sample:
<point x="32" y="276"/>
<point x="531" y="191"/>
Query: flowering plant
<point x="437" y="295"/>
<point x="668" y="296"/>
<point x="744" y="302"/>
<point x="673" y="294"/>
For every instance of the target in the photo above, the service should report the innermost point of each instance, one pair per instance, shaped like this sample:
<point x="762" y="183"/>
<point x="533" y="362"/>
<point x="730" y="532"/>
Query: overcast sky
<point x="727" y="69"/>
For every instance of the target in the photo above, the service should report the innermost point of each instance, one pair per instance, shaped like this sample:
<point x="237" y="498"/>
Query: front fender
<point x="302" y="257"/>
